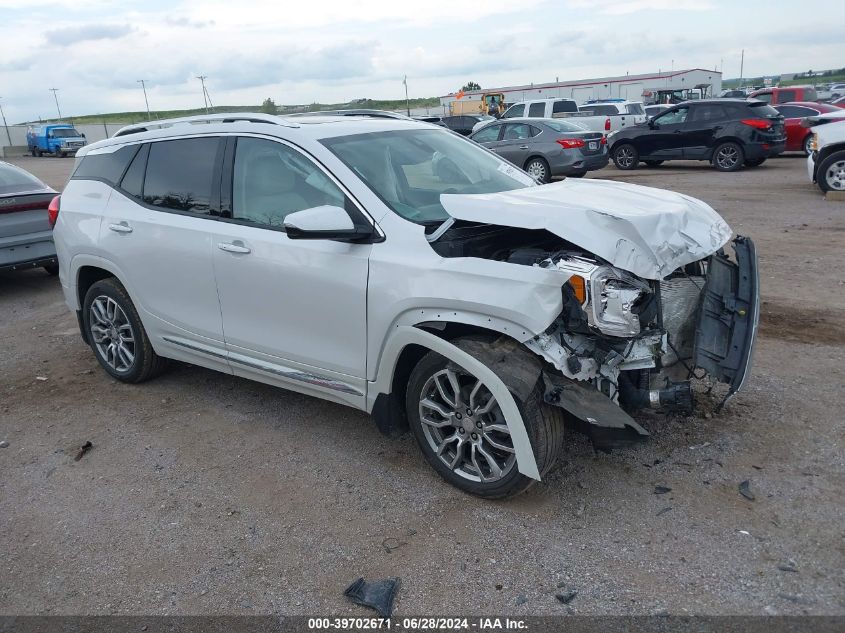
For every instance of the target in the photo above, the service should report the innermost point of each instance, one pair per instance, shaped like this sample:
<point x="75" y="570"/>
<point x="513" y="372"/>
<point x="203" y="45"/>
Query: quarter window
<point x="517" y="132"/>
<point x="180" y="174"/>
<point x="108" y="167"/>
<point x="271" y="181"/>
<point x="133" y="180"/>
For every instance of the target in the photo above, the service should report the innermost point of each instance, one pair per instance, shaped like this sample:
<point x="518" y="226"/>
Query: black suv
<point x="463" y="123"/>
<point x="729" y="133"/>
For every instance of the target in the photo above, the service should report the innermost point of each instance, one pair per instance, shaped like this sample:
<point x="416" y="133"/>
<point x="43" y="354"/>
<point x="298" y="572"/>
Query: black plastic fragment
<point x="378" y="595"/>
<point x="745" y="490"/>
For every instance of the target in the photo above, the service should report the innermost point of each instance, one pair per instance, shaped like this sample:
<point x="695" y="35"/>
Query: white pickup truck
<point x="826" y="162"/>
<point x="599" y="116"/>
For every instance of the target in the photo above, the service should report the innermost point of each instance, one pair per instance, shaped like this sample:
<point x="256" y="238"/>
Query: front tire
<point x="116" y="334"/>
<point x="539" y="169"/>
<point x="831" y="173"/>
<point x="463" y="435"/>
<point x="626" y="157"/>
<point x="728" y="157"/>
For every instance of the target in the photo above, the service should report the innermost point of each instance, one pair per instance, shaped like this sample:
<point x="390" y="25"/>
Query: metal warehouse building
<point x="632" y="87"/>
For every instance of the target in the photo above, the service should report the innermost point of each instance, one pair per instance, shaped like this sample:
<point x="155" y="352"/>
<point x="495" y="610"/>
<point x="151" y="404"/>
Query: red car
<point x="787" y="94"/>
<point x="797" y="137"/>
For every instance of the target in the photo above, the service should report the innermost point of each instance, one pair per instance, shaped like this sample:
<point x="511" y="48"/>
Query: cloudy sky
<point x="336" y="50"/>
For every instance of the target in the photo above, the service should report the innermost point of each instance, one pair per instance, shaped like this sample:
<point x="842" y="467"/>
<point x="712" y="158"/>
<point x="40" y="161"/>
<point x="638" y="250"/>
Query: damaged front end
<point x="622" y="343"/>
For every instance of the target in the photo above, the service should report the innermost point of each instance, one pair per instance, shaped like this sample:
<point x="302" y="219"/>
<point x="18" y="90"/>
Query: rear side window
<point x="710" y="112"/>
<point x="487" y="134"/>
<point x="107" y="168"/>
<point x="564" y="105"/>
<point x="795" y="112"/>
<point x="599" y="110"/>
<point x="786" y="95"/>
<point x="180" y="174"/>
<point x="537" y="110"/>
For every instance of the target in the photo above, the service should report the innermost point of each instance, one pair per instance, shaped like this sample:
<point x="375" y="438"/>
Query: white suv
<point x="403" y="270"/>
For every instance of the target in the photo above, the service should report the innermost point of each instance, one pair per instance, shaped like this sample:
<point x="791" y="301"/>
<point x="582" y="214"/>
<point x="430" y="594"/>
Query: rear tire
<point x="539" y="169"/>
<point x="831" y="173"/>
<point x="806" y="145"/>
<point x="626" y="157"/>
<point x="653" y="163"/>
<point x="728" y="157"/>
<point x="543" y="423"/>
<point x="117" y="336"/>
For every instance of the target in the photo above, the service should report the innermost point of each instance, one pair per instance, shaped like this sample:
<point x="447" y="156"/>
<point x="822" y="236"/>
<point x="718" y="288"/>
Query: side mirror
<point x="325" y="223"/>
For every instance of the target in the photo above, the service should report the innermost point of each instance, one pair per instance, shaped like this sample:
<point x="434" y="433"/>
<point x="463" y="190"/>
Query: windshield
<point x="567" y="126"/>
<point x="409" y="169"/>
<point x="65" y="133"/>
<point x="762" y="109"/>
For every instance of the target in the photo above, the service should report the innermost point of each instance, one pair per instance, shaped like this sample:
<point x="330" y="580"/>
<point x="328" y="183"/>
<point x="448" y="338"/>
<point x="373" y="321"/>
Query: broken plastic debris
<point x="662" y="490"/>
<point x="377" y="595"/>
<point x="744" y="532"/>
<point x="82" y="450"/>
<point x="745" y="490"/>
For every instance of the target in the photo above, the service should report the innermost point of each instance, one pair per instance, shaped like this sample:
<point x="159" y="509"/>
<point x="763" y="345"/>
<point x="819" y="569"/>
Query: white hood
<point x="648" y="232"/>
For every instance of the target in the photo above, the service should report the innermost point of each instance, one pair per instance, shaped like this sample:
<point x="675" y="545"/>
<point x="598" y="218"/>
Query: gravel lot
<point x="205" y="493"/>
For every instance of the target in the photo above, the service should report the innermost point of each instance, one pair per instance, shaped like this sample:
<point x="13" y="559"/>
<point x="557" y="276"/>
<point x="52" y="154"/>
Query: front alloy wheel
<point x="464" y="426"/>
<point x="461" y="430"/>
<point x="539" y="170"/>
<point x="626" y="157"/>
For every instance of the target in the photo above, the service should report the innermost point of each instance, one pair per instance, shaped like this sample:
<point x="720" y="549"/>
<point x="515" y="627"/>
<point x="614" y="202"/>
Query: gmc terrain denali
<point x="395" y="267"/>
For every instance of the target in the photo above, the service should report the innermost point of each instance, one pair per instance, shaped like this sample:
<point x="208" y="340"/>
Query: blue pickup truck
<point x="59" y="139"/>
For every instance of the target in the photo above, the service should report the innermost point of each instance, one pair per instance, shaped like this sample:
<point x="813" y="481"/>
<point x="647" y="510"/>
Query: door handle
<point x="233" y="247"/>
<point x="123" y="227"/>
<point x="523" y="147"/>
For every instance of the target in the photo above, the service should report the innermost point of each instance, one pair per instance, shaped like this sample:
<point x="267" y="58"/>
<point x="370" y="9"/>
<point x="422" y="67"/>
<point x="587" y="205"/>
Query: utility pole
<point x="56" y="97"/>
<point x="407" y="102"/>
<point x="741" y="68"/>
<point x="5" y="125"/>
<point x="202" y="79"/>
<point x="147" y="103"/>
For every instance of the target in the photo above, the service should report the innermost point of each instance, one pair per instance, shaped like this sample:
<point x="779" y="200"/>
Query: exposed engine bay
<point x="636" y="342"/>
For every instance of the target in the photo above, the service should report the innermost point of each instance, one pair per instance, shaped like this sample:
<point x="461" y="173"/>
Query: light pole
<point x="147" y="103"/>
<point x="206" y="98"/>
<point x="5" y="125"/>
<point x="407" y="103"/>
<point x="56" y="97"/>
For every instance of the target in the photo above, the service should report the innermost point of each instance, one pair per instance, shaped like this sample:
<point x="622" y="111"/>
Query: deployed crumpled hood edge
<point x="648" y="232"/>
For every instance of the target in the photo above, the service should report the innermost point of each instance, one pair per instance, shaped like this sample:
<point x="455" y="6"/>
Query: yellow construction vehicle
<point x="492" y="103"/>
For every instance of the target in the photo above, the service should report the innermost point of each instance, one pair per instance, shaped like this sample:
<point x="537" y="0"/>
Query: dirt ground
<point x="205" y="493"/>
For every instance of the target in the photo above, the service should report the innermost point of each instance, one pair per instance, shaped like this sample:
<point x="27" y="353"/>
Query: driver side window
<point x="271" y="181"/>
<point x="672" y="117"/>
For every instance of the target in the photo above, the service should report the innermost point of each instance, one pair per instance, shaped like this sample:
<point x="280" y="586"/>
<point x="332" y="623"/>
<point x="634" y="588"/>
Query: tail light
<point x="759" y="124"/>
<point x="53" y="211"/>
<point x="603" y="140"/>
<point x="607" y="124"/>
<point x="570" y="143"/>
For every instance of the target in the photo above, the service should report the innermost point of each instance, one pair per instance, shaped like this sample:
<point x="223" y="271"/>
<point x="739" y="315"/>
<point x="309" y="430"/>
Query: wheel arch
<point x="409" y="343"/>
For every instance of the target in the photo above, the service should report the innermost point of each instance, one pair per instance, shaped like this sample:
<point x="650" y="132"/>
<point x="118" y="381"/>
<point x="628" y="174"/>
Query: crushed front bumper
<point x="729" y="316"/>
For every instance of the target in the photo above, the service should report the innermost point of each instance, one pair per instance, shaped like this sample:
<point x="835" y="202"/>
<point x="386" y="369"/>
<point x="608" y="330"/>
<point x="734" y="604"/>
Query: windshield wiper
<point x="440" y="230"/>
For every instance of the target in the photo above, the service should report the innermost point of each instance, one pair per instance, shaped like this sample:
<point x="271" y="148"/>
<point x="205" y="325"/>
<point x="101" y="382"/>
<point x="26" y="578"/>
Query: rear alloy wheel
<point x="539" y="170"/>
<point x="464" y="435"/>
<point x="728" y="157"/>
<point x="754" y="162"/>
<point x="117" y="335"/>
<point x="653" y="163"/>
<point x="831" y="174"/>
<point x="626" y="157"/>
<point x="807" y="150"/>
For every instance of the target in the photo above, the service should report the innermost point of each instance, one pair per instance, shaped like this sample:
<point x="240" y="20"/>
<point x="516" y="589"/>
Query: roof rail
<point x="222" y="117"/>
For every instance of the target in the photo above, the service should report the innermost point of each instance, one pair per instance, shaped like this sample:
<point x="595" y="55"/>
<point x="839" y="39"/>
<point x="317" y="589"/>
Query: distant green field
<point x="136" y="117"/>
<point x="758" y="81"/>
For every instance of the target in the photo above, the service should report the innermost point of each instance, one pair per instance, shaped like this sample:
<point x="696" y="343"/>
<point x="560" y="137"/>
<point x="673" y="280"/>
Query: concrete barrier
<point x="13" y="151"/>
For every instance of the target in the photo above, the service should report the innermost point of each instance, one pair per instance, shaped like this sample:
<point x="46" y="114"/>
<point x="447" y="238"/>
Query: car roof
<point x="808" y="104"/>
<point x="310" y="128"/>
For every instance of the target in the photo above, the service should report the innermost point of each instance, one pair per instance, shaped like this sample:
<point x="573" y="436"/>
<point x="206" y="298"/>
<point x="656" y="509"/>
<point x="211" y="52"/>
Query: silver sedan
<point x="545" y="147"/>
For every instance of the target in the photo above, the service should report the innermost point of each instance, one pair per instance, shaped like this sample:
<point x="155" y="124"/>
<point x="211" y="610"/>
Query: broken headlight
<point x="611" y="301"/>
